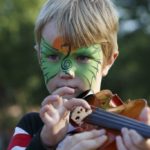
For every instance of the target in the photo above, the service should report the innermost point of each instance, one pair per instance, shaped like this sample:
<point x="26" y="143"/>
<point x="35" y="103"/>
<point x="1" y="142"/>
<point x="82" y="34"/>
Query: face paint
<point x="84" y="62"/>
<point x="52" y="59"/>
<point x="66" y="65"/>
<point x="89" y="62"/>
<point x="47" y="54"/>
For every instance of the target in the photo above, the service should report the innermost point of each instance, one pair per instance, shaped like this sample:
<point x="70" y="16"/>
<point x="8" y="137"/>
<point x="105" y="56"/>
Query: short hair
<point x="81" y="22"/>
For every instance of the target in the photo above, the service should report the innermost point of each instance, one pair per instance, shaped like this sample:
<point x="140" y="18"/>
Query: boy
<point x="76" y="41"/>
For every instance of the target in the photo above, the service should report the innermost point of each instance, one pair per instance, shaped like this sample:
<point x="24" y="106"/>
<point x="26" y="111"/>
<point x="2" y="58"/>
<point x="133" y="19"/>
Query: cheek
<point x="97" y="83"/>
<point x="50" y="70"/>
<point x="85" y="74"/>
<point x="90" y="74"/>
<point x="51" y="85"/>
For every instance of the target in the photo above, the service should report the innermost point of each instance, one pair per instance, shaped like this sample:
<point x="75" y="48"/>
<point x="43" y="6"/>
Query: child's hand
<point x="55" y="118"/>
<point x="55" y="115"/>
<point x="145" y="115"/>
<point x="84" y="141"/>
<point x="131" y="140"/>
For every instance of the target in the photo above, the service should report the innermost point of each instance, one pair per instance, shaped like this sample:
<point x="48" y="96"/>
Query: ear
<point x="37" y="48"/>
<point x="109" y="63"/>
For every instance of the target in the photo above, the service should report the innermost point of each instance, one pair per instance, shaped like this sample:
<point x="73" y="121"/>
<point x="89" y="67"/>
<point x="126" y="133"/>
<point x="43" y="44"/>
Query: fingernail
<point x="102" y="131"/>
<point x="54" y="97"/>
<point x="123" y="130"/>
<point x="118" y="138"/>
<point x="104" y="137"/>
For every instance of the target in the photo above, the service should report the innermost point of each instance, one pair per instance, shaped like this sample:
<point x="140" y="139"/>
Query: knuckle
<point x="75" y="136"/>
<point x="133" y="148"/>
<point x="84" y="144"/>
<point x="138" y="142"/>
<point x="128" y="145"/>
<point x="94" y="133"/>
<point x="68" y="139"/>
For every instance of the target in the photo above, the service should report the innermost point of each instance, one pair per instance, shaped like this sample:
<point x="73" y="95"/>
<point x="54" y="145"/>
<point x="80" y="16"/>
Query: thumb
<point x="74" y="102"/>
<point x="145" y="115"/>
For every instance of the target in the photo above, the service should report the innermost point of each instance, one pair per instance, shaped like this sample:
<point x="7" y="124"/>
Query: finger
<point x="49" y="114"/>
<point x="50" y="99"/>
<point x="44" y="116"/>
<point x="120" y="144"/>
<point x="147" y="144"/>
<point x="127" y="139"/>
<point x="71" y="104"/>
<point x="57" y="103"/>
<point x="63" y="91"/>
<point x="145" y="115"/>
<point x="77" y="138"/>
<point x="137" y="139"/>
<point x="62" y="110"/>
<point x="54" y="100"/>
<point x="88" y="135"/>
<point x="91" y="143"/>
<point x="47" y="109"/>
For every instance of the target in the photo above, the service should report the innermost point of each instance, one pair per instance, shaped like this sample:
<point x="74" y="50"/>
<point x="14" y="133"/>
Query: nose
<point x="67" y="69"/>
<point x="67" y="74"/>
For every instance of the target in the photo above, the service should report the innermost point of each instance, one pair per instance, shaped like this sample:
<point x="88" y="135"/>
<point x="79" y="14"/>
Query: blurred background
<point x="21" y="83"/>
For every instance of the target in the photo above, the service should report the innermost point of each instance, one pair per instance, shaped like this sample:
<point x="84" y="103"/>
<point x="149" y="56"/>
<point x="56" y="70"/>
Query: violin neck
<point x="115" y="121"/>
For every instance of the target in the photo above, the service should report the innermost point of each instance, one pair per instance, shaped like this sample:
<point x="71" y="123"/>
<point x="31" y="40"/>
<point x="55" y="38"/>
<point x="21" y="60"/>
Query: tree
<point x="130" y="76"/>
<point x="20" y="77"/>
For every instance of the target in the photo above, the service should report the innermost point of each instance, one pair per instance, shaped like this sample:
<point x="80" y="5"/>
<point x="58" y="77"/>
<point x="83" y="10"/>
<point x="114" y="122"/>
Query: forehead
<point x="50" y="32"/>
<point x="51" y="35"/>
<point x="53" y="38"/>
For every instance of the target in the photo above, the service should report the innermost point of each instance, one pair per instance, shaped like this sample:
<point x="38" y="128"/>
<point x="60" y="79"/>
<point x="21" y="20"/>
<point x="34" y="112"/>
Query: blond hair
<point x="81" y="22"/>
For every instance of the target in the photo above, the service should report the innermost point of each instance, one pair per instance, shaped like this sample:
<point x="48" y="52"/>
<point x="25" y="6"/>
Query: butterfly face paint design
<point x="84" y="62"/>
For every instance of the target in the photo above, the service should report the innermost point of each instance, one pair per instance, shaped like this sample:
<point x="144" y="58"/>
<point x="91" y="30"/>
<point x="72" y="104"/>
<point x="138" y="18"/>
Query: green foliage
<point x="130" y="76"/>
<point x="20" y="76"/>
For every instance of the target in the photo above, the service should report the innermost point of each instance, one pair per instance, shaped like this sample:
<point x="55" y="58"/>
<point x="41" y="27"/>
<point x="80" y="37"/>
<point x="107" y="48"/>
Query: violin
<point x="109" y="112"/>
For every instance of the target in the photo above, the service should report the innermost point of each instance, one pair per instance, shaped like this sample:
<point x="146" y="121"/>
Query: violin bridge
<point x="79" y="114"/>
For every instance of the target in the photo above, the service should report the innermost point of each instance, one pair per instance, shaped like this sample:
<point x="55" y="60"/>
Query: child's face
<point x="62" y="66"/>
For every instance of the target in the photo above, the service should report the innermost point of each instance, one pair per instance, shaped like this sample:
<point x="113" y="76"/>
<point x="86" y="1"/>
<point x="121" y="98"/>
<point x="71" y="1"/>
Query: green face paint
<point x="84" y="62"/>
<point x="66" y="63"/>
<point x="90" y="59"/>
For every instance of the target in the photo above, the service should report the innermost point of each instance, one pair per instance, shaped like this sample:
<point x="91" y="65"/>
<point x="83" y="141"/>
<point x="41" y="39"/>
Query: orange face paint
<point x="61" y="46"/>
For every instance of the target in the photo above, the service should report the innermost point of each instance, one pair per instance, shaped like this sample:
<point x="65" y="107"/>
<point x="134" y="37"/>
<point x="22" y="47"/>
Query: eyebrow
<point x="84" y="49"/>
<point x="48" y="46"/>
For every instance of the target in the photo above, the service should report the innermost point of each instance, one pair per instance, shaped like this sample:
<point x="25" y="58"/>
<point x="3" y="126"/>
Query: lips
<point x="70" y="86"/>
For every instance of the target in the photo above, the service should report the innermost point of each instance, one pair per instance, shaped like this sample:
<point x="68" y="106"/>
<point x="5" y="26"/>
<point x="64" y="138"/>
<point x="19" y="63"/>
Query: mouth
<point x="70" y="86"/>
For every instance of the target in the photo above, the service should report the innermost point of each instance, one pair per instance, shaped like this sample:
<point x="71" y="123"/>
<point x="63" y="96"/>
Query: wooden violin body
<point x="112" y="115"/>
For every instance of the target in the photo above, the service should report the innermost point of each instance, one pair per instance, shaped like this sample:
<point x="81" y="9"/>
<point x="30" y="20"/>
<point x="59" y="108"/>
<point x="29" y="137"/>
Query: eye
<point x="53" y="57"/>
<point x="83" y="59"/>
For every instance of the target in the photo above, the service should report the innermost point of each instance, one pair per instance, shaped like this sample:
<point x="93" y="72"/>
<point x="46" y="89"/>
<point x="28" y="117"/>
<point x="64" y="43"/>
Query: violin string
<point x="113" y="125"/>
<point x="116" y="121"/>
<point x="122" y="119"/>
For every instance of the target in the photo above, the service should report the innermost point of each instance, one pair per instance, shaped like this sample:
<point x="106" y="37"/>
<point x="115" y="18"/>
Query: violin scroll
<point x="79" y="114"/>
